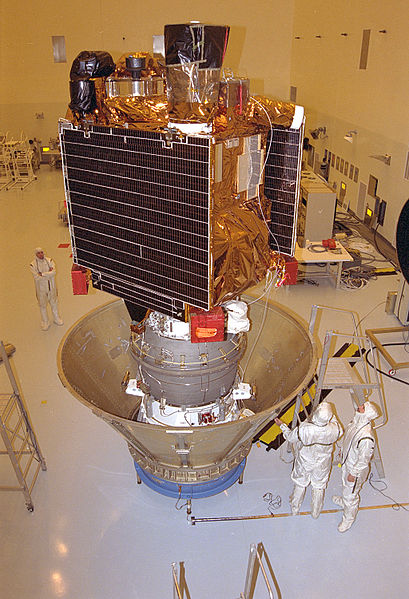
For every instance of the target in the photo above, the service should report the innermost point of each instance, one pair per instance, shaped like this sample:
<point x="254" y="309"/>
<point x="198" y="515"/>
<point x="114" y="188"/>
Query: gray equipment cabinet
<point x="316" y="209"/>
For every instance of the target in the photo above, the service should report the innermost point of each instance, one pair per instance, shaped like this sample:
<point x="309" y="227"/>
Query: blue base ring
<point x="188" y="490"/>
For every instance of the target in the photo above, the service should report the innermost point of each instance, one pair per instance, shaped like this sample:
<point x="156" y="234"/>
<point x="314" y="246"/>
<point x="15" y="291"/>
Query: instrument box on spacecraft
<point x="291" y="270"/>
<point x="79" y="280"/>
<point x="207" y="326"/>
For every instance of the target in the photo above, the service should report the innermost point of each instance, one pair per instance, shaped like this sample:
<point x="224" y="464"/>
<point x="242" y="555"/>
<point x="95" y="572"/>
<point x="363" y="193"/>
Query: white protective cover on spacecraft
<point x="237" y="321"/>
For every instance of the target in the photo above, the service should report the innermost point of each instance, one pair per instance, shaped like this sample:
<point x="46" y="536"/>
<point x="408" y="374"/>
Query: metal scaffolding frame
<point x="21" y="155"/>
<point x="16" y="168"/>
<point x="6" y="166"/>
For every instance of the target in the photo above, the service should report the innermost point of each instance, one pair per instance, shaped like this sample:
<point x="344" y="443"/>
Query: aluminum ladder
<point x="18" y="436"/>
<point x="255" y="564"/>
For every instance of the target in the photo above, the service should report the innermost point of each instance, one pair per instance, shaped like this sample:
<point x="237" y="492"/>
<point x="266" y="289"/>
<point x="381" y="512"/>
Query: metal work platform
<point x="373" y="336"/>
<point x="18" y="435"/>
<point x="348" y="371"/>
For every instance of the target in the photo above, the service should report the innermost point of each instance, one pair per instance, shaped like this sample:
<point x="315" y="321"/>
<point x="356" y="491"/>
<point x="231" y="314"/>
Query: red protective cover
<point x="79" y="280"/>
<point x="291" y="271"/>
<point x="207" y="326"/>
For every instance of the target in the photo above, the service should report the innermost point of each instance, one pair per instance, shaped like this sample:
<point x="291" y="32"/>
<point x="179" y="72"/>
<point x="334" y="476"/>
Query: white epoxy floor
<point x="95" y="534"/>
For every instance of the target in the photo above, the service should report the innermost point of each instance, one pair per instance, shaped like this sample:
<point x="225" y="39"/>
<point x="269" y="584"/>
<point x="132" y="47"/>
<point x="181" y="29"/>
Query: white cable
<point x="266" y="223"/>
<point x="259" y="331"/>
<point x="262" y="171"/>
<point x="162" y="412"/>
<point x="271" y="137"/>
<point x="270" y="280"/>
<point x="269" y="285"/>
<point x="185" y="417"/>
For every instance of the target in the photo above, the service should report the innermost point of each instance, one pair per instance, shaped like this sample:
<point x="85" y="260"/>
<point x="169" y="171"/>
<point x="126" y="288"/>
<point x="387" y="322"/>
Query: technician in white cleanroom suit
<point x="313" y="444"/>
<point x="43" y="270"/>
<point x="357" y="449"/>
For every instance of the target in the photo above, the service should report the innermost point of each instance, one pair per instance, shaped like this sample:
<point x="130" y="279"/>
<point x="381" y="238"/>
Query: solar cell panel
<point x="281" y="186"/>
<point x="139" y="211"/>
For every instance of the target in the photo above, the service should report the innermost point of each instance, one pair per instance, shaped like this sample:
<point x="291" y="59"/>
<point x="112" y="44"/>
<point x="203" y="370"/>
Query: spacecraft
<point x="182" y="193"/>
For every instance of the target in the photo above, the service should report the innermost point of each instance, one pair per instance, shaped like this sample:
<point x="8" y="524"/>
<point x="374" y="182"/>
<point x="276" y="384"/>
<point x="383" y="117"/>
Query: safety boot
<point x="345" y="525"/>
<point x="317" y="501"/>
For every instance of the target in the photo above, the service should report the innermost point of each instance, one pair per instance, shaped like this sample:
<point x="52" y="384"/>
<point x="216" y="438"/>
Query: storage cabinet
<point x="316" y="209"/>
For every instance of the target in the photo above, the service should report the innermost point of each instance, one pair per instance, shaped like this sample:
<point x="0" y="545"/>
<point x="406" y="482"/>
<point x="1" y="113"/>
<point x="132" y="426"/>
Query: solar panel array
<point x="281" y="186"/>
<point x="138" y="212"/>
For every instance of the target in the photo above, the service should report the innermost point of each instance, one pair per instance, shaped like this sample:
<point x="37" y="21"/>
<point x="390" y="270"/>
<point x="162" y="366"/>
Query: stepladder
<point x="258" y="562"/>
<point x="347" y="370"/>
<point x="18" y="436"/>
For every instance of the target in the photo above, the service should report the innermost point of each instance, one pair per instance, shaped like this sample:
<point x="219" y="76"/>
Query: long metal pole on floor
<point x="194" y="520"/>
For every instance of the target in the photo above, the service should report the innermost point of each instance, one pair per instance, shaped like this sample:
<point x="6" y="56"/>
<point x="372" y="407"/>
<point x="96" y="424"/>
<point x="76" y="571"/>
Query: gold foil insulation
<point x="240" y="250"/>
<point x="241" y="255"/>
<point x="265" y="111"/>
<point x="138" y="113"/>
<point x="192" y="97"/>
<point x="260" y="114"/>
<point x="239" y="246"/>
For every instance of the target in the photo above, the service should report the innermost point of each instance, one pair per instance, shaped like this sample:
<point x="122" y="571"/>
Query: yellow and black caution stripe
<point x="271" y="434"/>
<point x="381" y="272"/>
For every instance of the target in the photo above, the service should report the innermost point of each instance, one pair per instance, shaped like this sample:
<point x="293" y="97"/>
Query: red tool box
<point x="207" y="326"/>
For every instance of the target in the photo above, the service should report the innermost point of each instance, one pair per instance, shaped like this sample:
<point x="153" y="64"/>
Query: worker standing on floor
<point x="357" y="451"/>
<point x="43" y="271"/>
<point x="313" y="444"/>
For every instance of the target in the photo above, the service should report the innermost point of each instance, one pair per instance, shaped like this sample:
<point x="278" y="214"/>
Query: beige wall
<point x="325" y="71"/>
<point x="337" y="94"/>
<point x="30" y="82"/>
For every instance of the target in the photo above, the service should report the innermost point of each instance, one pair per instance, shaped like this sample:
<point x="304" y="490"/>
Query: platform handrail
<point x="380" y="393"/>
<point x="316" y="307"/>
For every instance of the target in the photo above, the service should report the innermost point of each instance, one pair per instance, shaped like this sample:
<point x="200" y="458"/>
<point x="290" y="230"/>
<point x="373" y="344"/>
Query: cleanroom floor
<point x="95" y="534"/>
